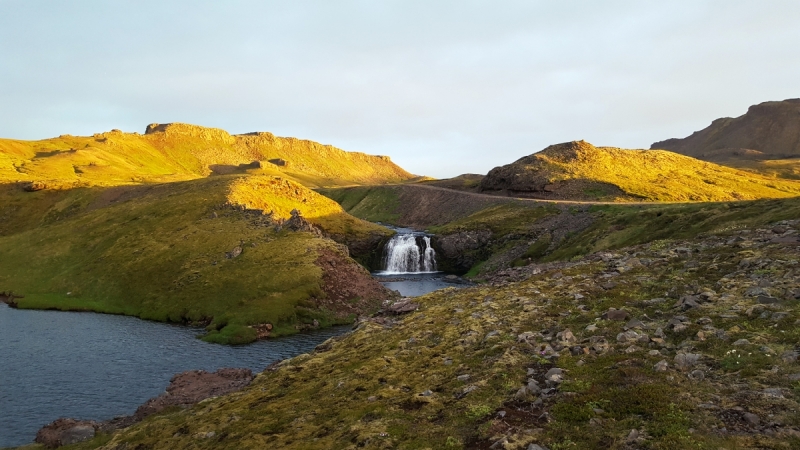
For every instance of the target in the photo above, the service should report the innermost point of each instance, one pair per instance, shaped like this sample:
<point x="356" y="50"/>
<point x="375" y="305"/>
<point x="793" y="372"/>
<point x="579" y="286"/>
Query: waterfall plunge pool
<point x="409" y="265"/>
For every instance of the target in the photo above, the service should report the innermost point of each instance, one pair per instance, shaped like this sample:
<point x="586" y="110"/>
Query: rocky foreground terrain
<point x="666" y="345"/>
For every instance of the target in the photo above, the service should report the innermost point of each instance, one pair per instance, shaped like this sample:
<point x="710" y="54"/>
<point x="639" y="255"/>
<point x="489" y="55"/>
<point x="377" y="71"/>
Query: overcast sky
<point x="443" y="87"/>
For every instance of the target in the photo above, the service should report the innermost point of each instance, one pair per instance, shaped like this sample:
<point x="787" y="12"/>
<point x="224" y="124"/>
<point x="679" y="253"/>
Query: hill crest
<point x="769" y="130"/>
<point x="178" y="151"/>
<point x="580" y="171"/>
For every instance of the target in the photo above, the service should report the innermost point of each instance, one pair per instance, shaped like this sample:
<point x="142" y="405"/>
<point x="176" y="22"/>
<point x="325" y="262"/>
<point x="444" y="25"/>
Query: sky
<point x="442" y="87"/>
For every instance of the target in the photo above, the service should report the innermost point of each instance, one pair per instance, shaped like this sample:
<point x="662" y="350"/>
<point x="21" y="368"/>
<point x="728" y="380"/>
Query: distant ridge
<point x="178" y="151"/>
<point x="769" y="130"/>
<point x="580" y="171"/>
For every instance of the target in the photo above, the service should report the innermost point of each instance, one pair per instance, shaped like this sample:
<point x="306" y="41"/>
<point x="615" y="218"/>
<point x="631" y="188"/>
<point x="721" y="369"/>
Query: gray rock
<point x="755" y="291"/>
<point x="566" y="337"/>
<point x="773" y="392"/>
<point x="615" y="314"/>
<point x="767" y="300"/>
<point x="462" y="378"/>
<point x="627" y="336"/>
<point x="554" y="376"/>
<point x="751" y="419"/>
<point x="741" y="342"/>
<point x="78" y="433"/>
<point x="685" y="361"/>
<point x="790" y="356"/>
<point x="697" y="375"/>
<point x="661" y="366"/>
<point x="794" y="377"/>
<point x="634" y="324"/>
<point x="536" y="447"/>
<point x="633" y="436"/>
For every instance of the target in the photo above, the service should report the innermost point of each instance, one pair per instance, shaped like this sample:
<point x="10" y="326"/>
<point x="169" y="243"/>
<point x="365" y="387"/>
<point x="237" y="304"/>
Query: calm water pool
<point x="95" y="366"/>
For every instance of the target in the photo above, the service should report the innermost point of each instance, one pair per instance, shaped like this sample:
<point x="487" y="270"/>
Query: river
<point x="96" y="366"/>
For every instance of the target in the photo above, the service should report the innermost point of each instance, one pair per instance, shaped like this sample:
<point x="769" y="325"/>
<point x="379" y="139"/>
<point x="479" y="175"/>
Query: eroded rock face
<point x="66" y="431"/>
<point x="461" y="250"/>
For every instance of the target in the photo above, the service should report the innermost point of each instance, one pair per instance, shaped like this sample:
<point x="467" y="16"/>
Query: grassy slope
<point x="180" y="151"/>
<point x="774" y="168"/>
<point x="124" y="225"/>
<point x="396" y="386"/>
<point x="159" y="254"/>
<point x="650" y="175"/>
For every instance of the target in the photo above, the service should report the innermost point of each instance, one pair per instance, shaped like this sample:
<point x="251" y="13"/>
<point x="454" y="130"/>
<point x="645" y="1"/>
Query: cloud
<point x="442" y="87"/>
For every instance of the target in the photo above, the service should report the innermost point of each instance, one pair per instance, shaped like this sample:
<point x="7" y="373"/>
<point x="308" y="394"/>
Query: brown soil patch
<point x="349" y="288"/>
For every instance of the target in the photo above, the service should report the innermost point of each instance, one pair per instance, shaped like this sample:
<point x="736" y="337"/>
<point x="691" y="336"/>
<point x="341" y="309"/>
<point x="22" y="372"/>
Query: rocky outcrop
<point x="185" y="389"/>
<point x="66" y="431"/>
<point x="458" y="252"/>
<point x="769" y="130"/>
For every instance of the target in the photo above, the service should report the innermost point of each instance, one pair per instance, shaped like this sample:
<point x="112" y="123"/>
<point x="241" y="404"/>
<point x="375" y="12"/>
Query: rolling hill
<point x="769" y="130"/>
<point x="176" y="151"/>
<point x="191" y="225"/>
<point x="580" y="171"/>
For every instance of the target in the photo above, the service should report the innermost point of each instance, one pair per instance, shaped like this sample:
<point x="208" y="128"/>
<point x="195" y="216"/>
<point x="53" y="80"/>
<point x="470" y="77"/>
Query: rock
<point x="687" y="302"/>
<point x="790" y="357"/>
<point x="778" y="316"/>
<point x="554" y="376"/>
<point x="598" y="344"/>
<point x="615" y="314"/>
<point x="794" y="377"/>
<point x="632" y="436"/>
<point x="767" y="300"/>
<point x="684" y="361"/>
<point x="661" y="366"/>
<point x="566" y="337"/>
<point x="188" y="388"/>
<point x="66" y="432"/>
<point x="535" y="447"/>
<point x="632" y="349"/>
<point x="755" y="291"/>
<point x="402" y="306"/>
<point x="591" y="328"/>
<point x="533" y="386"/>
<point x="741" y="342"/>
<point x="234" y="253"/>
<point x="634" y="324"/>
<point x="697" y="375"/>
<point x="627" y="336"/>
<point x="751" y="419"/>
<point x="462" y="378"/>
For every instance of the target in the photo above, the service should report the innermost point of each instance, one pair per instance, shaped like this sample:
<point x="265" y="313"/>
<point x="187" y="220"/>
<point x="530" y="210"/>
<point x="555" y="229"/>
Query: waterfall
<point x="405" y="255"/>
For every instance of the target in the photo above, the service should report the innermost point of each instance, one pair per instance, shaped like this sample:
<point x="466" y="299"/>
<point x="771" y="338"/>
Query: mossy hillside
<point x="449" y="375"/>
<point x="788" y="168"/>
<point x="375" y="204"/>
<point x="160" y="254"/>
<point x="508" y="219"/>
<point x="580" y="171"/>
<point x="180" y="151"/>
<point x="616" y="227"/>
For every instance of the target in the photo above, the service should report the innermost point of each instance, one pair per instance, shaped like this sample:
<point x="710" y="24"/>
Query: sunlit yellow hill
<point x="580" y="171"/>
<point x="214" y="250"/>
<point x="170" y="152"/>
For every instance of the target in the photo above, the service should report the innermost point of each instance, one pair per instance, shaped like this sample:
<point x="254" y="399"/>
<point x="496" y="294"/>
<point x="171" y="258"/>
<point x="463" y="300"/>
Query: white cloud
<point x="443" y="87"/>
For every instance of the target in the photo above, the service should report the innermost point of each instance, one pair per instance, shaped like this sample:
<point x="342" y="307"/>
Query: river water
<point x="96" y="366"/>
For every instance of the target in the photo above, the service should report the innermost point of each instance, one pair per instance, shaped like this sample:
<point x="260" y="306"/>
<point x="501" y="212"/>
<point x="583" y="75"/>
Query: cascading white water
<point x="404" y="255"/>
